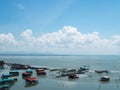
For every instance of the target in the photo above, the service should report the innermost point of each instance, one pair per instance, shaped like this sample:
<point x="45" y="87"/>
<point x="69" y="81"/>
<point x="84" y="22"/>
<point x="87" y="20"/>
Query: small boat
<point x="6" y="75"/>
<point x="14" y="72"/>
<point x="3" y="87"/>
<point x="105" y="78"/>
<point x="31" y="80"/>
<point x="102" y="71"/>
<point x="53" y="69"/>
<point x="73" y="76"/>
<point x="25" y="74"/>
<point x="41" y="71"/>
<point x="84" y="68"/>
<point x="7" y="80"/>
<point x="29" y="71"/>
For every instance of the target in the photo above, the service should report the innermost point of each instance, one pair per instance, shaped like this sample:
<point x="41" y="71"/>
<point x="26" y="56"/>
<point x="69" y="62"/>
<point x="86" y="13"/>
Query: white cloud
<point x="27" y="35"/>
<point x="66" y="40"/>
<point x="7" y="38"/>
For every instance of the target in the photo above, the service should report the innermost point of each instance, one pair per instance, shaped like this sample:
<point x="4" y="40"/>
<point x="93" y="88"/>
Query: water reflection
<point x="69" y="83"/>
<point x="27" y="85"/>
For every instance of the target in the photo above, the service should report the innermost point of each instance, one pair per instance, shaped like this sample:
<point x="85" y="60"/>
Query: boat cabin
<point x="41" y="71"/>
<point x="73" y="76"/>
<point x="26" y="74"/>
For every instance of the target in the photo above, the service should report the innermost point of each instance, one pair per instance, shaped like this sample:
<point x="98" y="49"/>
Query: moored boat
<point x="3" y="87"/>
<point x="29" y="71"/>
<point x="105" y="78"/>
<point x="25" y="74"/>
<point x="6" y="75"/>
<point x="14" y="72"/>
<point x="73" y="76"/>
<point x="102" y="71"/>
<point x="31" y="80"/>
<point x="7" y="80"/>
<point x="41" y="71"/>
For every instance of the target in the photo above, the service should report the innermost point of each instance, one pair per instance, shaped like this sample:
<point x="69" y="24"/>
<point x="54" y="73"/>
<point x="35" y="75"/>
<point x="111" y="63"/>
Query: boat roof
<point x="6" y="74"/>
<point x="105" y="76"/>
<point x="14" y="71"/>
<point x="31" y="79"/>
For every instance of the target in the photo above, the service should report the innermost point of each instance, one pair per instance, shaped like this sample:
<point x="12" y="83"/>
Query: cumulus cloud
<point x="7" y="38"/>
<point x="66" y="40"/>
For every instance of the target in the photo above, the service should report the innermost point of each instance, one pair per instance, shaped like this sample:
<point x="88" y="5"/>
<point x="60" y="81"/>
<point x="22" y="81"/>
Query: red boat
<point x="31" y="80"/>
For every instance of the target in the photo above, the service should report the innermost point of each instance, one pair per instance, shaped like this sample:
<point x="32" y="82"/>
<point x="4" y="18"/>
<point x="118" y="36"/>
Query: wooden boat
<point x="7" y="80"/>
<point x="29" y="71"/>
<point x="101" y="71"/>
<point x="6" y="76"/>
<point x="25" y="74"/>
<point x="3" y="87"/>
<point x="14" y="72"/>
<point x="105" y="78"/>
<point x="85" y="68"/>
<point x="41" y="71"/>
<point x="31" y="80"/>
<point x="73" y="76"/>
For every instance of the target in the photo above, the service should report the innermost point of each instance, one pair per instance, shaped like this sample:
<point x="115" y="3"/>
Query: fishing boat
<point x="105" y="78"/>
<point x="6" y="75"/>
<point x="25" y="74"/>
<point x="31" y="80"/>
<point x="3" y="87"/>
<point x="102" y="71"/>
<point x="7" y="80"/>
<point x="29" y="71"/>
<point x="84" y="68"/>
<point x="14" y="72"/>
<point x="41" y="71"/>
<point x="73" y="76"/>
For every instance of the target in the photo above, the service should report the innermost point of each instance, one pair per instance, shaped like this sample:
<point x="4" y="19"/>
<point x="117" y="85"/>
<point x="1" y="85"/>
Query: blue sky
<point x="40" y="17"/>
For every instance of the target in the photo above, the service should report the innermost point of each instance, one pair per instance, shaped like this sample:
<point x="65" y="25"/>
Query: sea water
<point x="87" y="81"/>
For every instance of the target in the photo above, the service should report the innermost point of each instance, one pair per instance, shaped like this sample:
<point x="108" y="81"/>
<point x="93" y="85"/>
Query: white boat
<point x="105" y="78"/>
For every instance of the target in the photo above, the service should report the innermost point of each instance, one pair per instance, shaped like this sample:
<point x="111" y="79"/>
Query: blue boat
<point x="6" y="75"/>
<point x="7" y="80"/>
<point x="29" y="71"/>
<point x="3" y="87"/>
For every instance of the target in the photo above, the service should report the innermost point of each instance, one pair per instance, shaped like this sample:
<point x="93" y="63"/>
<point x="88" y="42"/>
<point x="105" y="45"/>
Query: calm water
<point x="49" y="82"/>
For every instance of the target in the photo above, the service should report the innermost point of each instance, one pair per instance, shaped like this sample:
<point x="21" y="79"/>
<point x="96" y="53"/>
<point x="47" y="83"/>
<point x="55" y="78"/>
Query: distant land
<point x="47" y="54"/>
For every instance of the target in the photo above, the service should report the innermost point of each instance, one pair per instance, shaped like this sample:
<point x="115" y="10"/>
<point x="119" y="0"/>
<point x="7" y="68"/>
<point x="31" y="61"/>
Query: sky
<point x="82" y="27"/>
